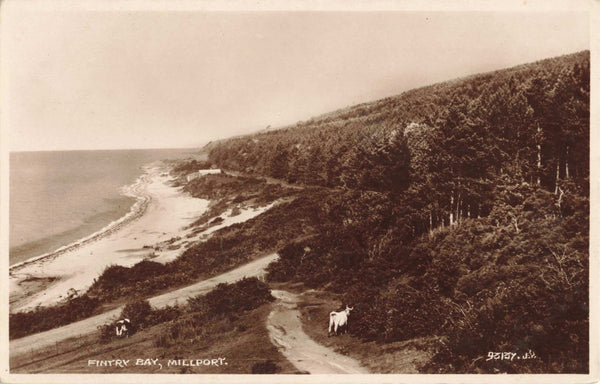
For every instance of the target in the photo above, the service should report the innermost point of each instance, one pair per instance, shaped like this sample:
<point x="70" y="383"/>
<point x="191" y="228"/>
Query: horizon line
<point x="197" y="148"/>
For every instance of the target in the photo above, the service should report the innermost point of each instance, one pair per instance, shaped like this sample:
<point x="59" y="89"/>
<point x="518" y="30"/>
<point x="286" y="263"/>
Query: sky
<point x="107" y="79"/>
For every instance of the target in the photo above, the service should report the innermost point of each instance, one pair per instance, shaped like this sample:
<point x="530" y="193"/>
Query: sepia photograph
<point x="273" y="192"/>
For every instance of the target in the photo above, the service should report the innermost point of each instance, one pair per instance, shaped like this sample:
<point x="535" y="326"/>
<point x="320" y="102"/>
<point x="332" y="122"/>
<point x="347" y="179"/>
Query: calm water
<point x="61" y="196"/>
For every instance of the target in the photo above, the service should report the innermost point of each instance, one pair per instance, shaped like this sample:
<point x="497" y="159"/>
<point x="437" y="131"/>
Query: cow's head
<point x="348" y="309"/>
<point x="122" y="328"/>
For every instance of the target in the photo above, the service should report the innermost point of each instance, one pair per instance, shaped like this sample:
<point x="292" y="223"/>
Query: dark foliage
<point x="138" y="313"/>
<point x="116" y="275"/>
<point x="217" y="186"/>
<point x="189" y="166"/>
<point x="244" y="295"/>
<point x="44" y="318"/>
<point x="217" y="312"/>
<point x="487" y="245"/>
<point x="141" y="315"/>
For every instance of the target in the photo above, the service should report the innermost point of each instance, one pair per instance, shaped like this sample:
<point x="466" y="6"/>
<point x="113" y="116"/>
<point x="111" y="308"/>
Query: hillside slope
<point x="458" y="210"/>
<point x="455" y="215"/>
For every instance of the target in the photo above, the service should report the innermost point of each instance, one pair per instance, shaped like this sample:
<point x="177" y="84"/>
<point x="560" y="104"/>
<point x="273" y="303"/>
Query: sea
<point x="58" y="197"/>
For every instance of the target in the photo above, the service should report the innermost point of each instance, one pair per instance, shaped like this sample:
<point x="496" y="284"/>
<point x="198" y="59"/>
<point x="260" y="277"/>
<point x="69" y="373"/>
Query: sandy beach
<point x="160" y="213"/>
<point x="156" y="228"/>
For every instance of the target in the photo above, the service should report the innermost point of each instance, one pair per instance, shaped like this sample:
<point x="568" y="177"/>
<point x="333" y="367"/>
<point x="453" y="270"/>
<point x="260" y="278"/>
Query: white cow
<point x="339" y="321"/>
<point x="123" y="327"/>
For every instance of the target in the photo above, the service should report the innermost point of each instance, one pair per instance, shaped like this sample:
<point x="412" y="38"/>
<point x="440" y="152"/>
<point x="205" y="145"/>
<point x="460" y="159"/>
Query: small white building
<point x="192" y="176"/>
<point x="202" y="172"/>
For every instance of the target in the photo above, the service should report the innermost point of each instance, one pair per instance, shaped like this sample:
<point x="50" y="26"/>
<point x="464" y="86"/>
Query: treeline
<point x="338" y="154"/>
<point x="482" y="285"/>
<point x="448" y="143"/>
<point x="487" y="245"/>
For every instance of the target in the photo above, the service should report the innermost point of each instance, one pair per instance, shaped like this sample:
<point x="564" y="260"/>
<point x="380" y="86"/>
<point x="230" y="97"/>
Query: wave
<point x="137" y="210"/>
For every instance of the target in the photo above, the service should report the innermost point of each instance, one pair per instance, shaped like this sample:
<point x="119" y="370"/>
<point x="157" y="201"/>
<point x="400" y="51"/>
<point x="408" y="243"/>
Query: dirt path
<point x="269" y="180"/>
<point x="89" y="325"/>
<point x="286" y="333"/>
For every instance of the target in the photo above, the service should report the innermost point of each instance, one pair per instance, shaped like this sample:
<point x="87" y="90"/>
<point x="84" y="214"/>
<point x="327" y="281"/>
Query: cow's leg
<point x="333" y="323"/>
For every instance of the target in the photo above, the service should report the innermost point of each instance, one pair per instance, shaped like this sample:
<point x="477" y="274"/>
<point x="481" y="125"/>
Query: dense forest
<point x="459" y="210"/>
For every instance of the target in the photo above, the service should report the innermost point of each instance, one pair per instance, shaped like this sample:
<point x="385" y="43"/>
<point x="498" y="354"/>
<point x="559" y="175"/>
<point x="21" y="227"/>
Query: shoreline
<point x="157" y="228"/>
<point x="135" y="211"/>
<point x="160" y="213"/>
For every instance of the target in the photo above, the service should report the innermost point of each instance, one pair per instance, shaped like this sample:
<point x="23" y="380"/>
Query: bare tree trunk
<point x="559" y="202"/>
<point x="539" y="152"/>
<point x="458" y="208"/>
<point x="557" y="176"/>
<point x="452" y="208"/>
<point x="567" y="164"/>
<point x="430" y="222"/>
<point x="517" y="166"/>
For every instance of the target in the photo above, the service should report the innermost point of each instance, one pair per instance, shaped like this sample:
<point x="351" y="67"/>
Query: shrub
<point x="44" y="318"/>
<point x="112" y="275"/>
<point x="116" y="277"/>
<point x="138" y="313"/>
<point x="163" y="315"/>
<point x="146" y="269"/>
<point x="141" y="315"/>
<point x="246" y="294"/>
<point x="107" y="332"/>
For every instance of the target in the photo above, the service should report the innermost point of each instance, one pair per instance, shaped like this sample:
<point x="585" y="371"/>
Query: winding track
<point x="285" y="330"/>
<point x="91" y="324"/>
